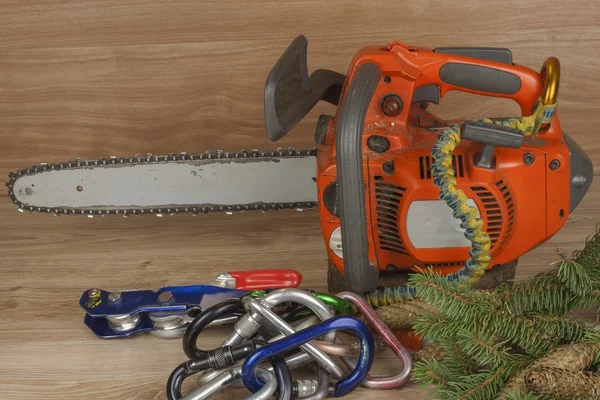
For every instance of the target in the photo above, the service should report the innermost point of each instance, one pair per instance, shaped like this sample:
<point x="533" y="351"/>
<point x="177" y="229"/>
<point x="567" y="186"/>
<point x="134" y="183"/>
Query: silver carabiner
<point x="249" y="324"/>
<point x="228" y="377"/>
<point x="293" y="361"/>
<point x="264" y="311"/>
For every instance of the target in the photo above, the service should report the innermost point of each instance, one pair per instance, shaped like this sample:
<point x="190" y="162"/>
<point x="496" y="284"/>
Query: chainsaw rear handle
<point x="477" y="71"/>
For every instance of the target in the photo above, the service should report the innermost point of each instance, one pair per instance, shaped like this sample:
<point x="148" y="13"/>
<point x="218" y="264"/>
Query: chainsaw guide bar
<point x="175" y="183"/>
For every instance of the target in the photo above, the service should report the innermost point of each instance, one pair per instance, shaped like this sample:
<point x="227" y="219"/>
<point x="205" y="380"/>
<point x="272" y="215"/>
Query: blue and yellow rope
<point x="443" y="177"/>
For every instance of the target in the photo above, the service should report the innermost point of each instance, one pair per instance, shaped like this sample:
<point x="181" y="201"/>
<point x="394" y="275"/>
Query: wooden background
<point x="96" y="78"/>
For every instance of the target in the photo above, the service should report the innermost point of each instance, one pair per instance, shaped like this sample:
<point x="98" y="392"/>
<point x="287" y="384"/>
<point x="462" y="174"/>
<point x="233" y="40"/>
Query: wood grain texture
<point x="94" y="78"/>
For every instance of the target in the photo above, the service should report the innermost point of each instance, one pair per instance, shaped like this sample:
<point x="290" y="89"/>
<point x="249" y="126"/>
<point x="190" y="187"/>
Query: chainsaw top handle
<point x="417" y="75"/>
<point x="426" y="76"/>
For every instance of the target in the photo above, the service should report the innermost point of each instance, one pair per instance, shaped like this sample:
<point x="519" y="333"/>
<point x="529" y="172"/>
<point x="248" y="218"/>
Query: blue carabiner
<point x="342" y="387"/>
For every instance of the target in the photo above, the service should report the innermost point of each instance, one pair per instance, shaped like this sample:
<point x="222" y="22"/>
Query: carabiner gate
<point x="227" y="378"/>
<point x="222" y="356"/>
<point x="279" y="380"/>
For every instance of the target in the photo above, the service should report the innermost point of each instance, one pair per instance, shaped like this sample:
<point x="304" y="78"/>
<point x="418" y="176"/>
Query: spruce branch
<point x="494" y="342"/>
<point x="574" y="277"/>
<point x="519" y="331"/>
<point x="432" y="372"/>
<point x="464" y="364"/>
<point x="519" y="395"/>
<point x="449" y="298"/>
<point x="591" y="302"/>
<point x="447" y="353"/>
<point x="484" y="349"/>
<point x="440" y="327"/>
<point x="543" y="294"/>
<point x="480" y="386"/>
<point x="560" y="329"/>
<point x="589" y="256"/>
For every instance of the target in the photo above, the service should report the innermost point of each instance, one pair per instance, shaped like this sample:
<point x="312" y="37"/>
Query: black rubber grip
<point x="493" y="134"/>
<point x="361" y="277"/>
<point x="480" y="78"/>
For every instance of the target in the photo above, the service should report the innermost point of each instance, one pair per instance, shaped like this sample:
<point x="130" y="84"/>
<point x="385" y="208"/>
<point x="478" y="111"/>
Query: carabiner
<point x="335" y="302"/>
<point x="222" y="356"/>
<point x="283" y="377"/>
<point x="298" y="359"/>
<point x="319" y="389"/>
<point x="228" y="377"/>
<point x="389" y="338"/>
<point x="342" y="387"/>
<point x="247" y="326"/>
<point x="270" y="317"/>
<point x="292" y="362"/>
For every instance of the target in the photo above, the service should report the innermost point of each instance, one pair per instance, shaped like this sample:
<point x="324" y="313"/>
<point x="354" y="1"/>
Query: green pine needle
<point x="519" y="331"/>
<point x="452" y="300"/>
<point x="432" y="372"/>
<point x="517" y="394"/>
<point x="485" y="349"/>
<point x="589" y="256"/>
<point x="456" y="360"/>
<point x="543" y="293"/>
<point x="574" y="277"/>
<point x="480" y="386"/>
<point x="560" y="330"/>
<point x="439" y="327"/>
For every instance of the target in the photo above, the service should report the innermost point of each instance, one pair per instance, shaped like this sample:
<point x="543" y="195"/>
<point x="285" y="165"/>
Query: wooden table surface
<point x="120" y="77"/>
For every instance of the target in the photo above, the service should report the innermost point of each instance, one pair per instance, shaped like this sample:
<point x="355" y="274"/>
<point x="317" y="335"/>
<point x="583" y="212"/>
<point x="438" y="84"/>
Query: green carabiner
<point x="338" y="304"/>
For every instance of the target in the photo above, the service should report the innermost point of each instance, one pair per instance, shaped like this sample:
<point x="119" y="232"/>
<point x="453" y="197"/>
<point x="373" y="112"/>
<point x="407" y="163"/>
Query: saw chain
<point x="150" y="159"/>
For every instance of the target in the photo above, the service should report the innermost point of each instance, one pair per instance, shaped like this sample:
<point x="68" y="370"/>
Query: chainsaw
<point x="397" y="188"/>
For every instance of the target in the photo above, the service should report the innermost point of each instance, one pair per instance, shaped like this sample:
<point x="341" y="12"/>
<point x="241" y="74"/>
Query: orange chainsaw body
<point x="521" y="204"/>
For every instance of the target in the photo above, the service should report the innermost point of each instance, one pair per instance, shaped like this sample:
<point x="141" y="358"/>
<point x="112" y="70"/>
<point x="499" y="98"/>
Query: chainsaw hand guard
<point x="361" y="277"/>
<point x="290" y="93"/>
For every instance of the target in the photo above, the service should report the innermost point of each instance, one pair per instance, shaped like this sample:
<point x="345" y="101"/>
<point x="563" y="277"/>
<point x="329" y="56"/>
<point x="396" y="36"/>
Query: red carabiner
<point x="260" y="279"/>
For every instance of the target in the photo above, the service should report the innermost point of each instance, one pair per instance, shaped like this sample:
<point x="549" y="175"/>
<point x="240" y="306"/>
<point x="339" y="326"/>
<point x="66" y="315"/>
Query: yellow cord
<point x="444" y="178"/>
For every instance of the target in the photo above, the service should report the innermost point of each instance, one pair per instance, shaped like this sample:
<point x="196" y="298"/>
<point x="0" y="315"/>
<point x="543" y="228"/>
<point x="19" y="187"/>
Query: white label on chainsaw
<point x="430" y="225"/>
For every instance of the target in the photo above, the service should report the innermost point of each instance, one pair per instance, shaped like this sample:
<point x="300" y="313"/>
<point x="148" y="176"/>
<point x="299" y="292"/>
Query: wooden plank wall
<point x="118" y="77"/>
